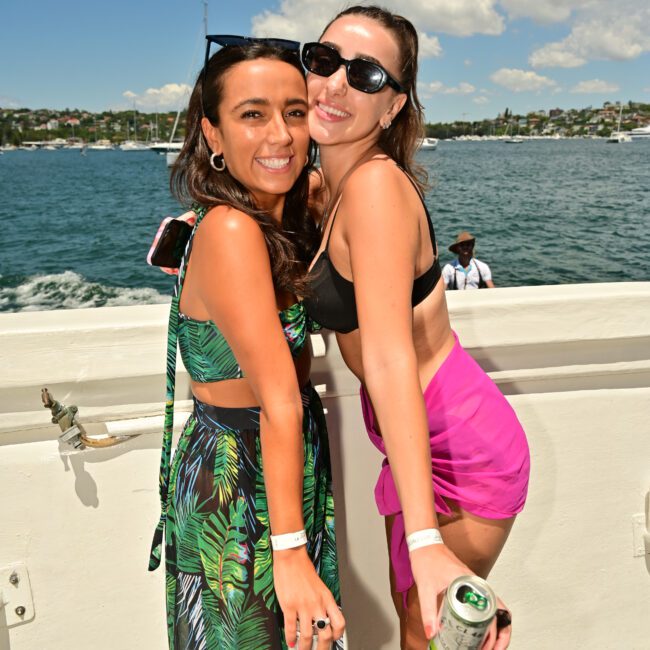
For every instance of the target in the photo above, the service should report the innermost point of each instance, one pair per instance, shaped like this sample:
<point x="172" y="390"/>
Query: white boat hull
<point x="640" y="133"/>
<point x="166" y="146"/>
<point x="619" y="138"/>
<point x="428" y="144"/>
<point x="130" y="145"/>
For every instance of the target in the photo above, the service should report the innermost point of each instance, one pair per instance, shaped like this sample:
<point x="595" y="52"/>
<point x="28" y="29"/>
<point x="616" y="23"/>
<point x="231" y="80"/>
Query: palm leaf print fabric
<point x="217" y="549"/>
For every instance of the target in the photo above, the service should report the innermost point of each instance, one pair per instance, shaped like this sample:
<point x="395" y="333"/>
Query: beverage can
<point x="467" y="611"/>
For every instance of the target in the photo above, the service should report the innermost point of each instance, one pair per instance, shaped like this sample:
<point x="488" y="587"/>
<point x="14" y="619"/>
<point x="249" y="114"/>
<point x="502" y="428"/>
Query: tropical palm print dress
<point x="214" y="521"/>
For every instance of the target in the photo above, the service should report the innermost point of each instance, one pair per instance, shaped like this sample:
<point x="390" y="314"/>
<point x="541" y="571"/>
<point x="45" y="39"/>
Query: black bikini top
<point x="331" y="302"/>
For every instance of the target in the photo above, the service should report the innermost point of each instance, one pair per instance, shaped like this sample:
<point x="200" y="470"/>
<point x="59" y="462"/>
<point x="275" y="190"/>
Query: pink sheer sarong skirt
<point x="479" y="452"/>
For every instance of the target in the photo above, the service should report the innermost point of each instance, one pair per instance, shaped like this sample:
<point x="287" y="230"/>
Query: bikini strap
<point x="432" y="232"/>
<point x="339" y="198"/>
<point x="170" y="389"/>
<point x="332" y="218"/>
<point x="200" y="212"/>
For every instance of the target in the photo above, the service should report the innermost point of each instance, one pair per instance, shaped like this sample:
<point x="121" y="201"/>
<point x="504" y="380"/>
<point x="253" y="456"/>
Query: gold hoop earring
<point x="217" y="168"/>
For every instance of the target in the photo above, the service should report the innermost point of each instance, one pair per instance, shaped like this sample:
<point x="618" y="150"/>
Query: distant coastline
<point x="20" y="125"/>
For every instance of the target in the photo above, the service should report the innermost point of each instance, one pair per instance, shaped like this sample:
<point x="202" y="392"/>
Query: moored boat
<point x="133" y="145"/>
<point x="619" y="137"/>
<point x="640" y="133"/>
<point x="427" y="144"/>
<point x="101" y="145"/>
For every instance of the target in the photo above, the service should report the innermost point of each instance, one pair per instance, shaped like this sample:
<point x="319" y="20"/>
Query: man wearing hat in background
<point x="466" y="272"/>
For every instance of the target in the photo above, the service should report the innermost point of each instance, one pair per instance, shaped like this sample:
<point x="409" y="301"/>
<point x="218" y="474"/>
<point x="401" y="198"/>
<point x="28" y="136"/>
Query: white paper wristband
<point x="288" y="540"/>
<point x="426" y="537"/>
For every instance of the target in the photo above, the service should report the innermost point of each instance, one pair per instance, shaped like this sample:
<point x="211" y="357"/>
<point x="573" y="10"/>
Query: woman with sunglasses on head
<point x="457" y="464"/>
<point x="249" y="554"/>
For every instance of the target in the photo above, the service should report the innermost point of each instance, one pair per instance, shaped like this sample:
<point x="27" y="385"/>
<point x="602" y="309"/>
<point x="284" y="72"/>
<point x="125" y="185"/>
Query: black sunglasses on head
<point x="363" y="75"/>
<point x="230" y="40"/>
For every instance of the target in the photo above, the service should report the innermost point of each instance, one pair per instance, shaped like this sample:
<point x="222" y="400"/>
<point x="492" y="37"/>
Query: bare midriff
<point x="432" y="338"/>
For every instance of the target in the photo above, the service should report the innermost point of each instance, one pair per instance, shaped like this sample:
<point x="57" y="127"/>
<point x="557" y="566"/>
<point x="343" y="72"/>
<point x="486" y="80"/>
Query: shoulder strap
<point x="332" y="219"/>
<point x="482" y="284"/>
<point x="200" y="213"/>
<point x="432" y="232"/>
<point x="170" y="389"/>
<point x="454" y="282"/>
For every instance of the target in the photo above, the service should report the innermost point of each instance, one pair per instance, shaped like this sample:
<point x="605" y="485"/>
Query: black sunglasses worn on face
<point x="366" y="76"/>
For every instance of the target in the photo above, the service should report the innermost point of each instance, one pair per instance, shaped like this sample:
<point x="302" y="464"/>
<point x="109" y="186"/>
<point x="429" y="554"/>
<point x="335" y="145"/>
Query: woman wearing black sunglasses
<point x="249" y="553"/>
<point x="457" y="463"/>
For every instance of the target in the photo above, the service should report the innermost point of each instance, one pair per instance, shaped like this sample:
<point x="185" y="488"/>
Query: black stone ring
<point x="503" y="618"/>
<point x="322" y="623"/>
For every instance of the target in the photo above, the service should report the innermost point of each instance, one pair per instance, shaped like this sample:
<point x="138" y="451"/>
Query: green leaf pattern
<point x="218" y="532"/>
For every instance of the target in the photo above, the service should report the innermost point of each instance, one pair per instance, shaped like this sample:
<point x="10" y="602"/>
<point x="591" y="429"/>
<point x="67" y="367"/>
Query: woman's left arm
<point x="383" y="242"/>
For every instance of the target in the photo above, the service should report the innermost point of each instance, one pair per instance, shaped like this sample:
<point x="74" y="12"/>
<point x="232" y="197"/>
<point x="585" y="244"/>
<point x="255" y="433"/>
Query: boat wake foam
<point x="68" y="290"/>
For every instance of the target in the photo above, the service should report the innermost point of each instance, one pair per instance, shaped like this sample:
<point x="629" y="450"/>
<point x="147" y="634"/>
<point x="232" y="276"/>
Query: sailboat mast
<point x="205" y="33"/>
<point x="205" y="17"/>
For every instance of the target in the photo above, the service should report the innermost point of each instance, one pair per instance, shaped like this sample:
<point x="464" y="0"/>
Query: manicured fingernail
<point x="428" y="631"/>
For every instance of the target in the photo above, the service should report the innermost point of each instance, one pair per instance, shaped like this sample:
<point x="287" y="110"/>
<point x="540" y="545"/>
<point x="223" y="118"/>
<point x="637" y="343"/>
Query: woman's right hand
<point x="190" y="218"/>
<point x="304" y="598"/>
<point x="434" y="568"/>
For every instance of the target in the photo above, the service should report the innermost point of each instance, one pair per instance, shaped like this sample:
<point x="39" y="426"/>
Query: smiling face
<point x="339" y="113"/>
<point x="262" y="131"/>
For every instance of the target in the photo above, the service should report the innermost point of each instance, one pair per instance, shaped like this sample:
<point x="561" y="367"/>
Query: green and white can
<point x="467" y="611"/>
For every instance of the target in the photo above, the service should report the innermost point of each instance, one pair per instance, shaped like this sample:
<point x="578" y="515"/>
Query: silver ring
<point x="321" y="623"/>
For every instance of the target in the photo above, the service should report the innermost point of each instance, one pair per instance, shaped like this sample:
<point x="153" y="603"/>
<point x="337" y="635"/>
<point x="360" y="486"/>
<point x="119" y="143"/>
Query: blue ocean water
<point x="76" y="229"/>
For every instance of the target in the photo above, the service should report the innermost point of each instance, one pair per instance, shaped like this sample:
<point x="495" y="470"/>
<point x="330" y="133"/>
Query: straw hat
<point x="462" y="237"/>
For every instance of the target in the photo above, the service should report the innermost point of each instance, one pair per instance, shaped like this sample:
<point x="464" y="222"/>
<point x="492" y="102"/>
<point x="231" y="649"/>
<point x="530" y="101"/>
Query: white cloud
<point x="543" y="11"/>
<point x="305" y="19"/>
<point x="166" y="98"/>
<point x="467" y="62"/>
<point x="437" y="87"/>
<point x="601" y="30"/>
<point x="429" y="46"/>
<point x="595" y="86"/>
<point x="521" y="80"/>
<point x="481" y="99"/>
<point x="556" y="55"/>
<point x="463" y="88"/>
<point x="9" y="102"/>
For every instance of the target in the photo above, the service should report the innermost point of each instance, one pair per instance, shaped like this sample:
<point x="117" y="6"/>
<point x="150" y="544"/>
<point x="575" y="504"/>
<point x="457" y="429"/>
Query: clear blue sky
<point x="479" y="56"/>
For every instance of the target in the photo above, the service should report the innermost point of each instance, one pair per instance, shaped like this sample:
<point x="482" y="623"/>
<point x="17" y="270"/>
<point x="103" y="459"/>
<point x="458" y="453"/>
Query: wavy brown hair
<point x="293" y="242"/>
<point x="400" y="140"/>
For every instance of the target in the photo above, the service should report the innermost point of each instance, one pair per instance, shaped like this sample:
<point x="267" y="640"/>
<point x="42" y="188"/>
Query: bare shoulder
<point x="224" y="227"/>
<point x="380" y="174"/>
<point x="227" y="239"/>
<point x="379" y="189"/>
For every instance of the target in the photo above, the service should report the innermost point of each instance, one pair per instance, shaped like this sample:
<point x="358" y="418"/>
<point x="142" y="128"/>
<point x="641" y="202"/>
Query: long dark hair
<point x="400" y="140"/>
<point x="292" y="243"/>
